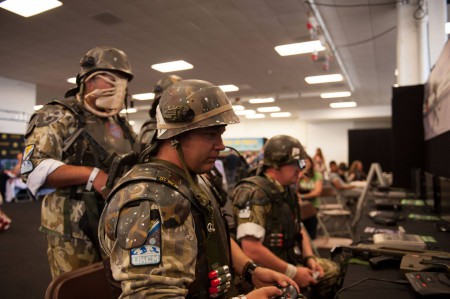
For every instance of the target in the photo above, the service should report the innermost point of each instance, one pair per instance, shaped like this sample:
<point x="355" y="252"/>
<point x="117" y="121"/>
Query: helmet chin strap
<point x="199" y="193"/>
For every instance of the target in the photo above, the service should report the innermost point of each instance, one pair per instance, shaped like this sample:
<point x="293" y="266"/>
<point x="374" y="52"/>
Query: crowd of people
<point x="181" y="221"/>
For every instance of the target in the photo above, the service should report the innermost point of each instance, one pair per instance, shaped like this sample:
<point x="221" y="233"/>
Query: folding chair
<point x="84" y="283"/>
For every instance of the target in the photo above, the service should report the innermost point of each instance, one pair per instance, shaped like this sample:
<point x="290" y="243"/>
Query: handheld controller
<point x="289" y="292"/>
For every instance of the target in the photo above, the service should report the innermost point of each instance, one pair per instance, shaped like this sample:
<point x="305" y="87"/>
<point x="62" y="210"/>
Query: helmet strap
<point x="201" y="196"/>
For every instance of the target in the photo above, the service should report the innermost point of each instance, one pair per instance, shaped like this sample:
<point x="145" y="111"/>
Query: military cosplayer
<point x="162" y="228"/>
<point x="70" y="145"/>
<point x="268" y="219"/>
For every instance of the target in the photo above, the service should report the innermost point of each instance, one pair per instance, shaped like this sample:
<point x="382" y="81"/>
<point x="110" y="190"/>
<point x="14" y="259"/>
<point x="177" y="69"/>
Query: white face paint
<point x="111" y="100"/>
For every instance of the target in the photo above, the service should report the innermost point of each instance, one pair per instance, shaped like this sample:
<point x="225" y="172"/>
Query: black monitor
<point x="443" y="195"/>
<point x="432" y="197"/>
<point x="418" y="183"/>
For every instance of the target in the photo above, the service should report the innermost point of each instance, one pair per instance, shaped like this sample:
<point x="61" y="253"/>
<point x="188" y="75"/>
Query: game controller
<point x="289" y="292"/>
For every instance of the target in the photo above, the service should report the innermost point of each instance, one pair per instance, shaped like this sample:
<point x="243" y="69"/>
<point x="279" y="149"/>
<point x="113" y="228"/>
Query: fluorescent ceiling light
<point x="299" y="48"/>
<point x="268" y="109"/>
<point x="258" y="115"/>
<point x="324" y="79"/>
<point x="260" y="101"/>
<point x="343" y="105"/>
<point x="245" y="112"/>
<point x="229" y="88"/>
<point x="340" y="94"/>
<point x="72" y="80"/>
<point x="238" y="107"/>
<point x="172" y="66"/>
<point x="129" y="110"/>
<point x="37" y="107"/>
<point x="144" y="96"/>
<point x="447" y="27"/>
<point x="281" y="114"/>
<point x="28" y="8"/>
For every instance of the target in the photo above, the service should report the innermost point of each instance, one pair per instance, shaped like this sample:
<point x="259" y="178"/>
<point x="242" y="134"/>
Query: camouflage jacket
<point x="268" y="211"/>
<point x="56" y="132"/>
<point x="154" y="232"/>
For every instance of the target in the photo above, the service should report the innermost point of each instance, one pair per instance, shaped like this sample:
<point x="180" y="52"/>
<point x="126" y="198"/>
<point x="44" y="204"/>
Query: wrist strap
<point x="291" y="271"/>
<point x="248" y="270"/>
<point x="92" y="178"/>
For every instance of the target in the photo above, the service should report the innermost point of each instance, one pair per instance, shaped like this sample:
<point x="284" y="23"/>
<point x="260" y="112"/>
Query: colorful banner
<point x="245" y="144"/>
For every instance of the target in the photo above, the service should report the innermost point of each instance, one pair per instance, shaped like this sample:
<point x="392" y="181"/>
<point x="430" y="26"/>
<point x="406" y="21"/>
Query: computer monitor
<point x="418" y="183"/>
<point x="432" y="196"/>
<point x="443" y="196"/>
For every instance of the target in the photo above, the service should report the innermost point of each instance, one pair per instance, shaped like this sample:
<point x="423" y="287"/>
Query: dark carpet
<point x="24" y="271"/>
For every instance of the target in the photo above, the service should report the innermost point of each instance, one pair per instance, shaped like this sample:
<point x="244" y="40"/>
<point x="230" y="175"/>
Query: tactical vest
<point x="146" y="135"/>
<point x="96" y="141"/>
<point x="283" y="225"/>
<point x="163" y="177"/>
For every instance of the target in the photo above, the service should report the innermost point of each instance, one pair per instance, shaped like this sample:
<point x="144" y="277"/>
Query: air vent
<point x="107" y="18"/>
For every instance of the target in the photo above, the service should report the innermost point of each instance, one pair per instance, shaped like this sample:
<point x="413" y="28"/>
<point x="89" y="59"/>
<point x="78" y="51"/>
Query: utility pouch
<point x="90" y="219"/>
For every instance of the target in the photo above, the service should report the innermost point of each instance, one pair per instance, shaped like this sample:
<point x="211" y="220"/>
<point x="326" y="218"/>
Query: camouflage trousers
<point x="67" y="256"/>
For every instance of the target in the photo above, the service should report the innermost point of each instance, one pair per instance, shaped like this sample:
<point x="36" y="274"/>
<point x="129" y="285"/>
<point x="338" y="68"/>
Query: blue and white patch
<point x="27" y="165"/>
<point x="150" y="252"/>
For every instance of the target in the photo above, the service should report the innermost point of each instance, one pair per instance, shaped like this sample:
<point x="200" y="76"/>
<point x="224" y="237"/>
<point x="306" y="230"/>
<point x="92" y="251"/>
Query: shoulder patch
<point x="149" y="253"/>
<point x="27" y="165"/>
<point x="48" y="115"/>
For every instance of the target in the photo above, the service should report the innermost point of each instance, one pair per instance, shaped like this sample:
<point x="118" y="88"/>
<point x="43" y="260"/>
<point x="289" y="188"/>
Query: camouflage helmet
<point x="282" y="149"/>
<point x="105" y="59"/>
<point x="165" y="83"/>
<point x="192" y="104"/>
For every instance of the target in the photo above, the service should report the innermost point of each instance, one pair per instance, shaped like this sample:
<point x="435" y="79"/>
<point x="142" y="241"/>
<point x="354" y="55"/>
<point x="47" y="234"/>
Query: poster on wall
<point x="245" y="144"/>
<point x="10" y="146"/>
<point x="436" y="107"/>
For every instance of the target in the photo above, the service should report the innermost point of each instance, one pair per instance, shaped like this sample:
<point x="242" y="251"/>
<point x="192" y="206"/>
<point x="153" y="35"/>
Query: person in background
<point x="70" y="145"/>
<point x="268" y="220"/>
<point x="345" y="189"/>
<point x="342" y="171"/>
<point x="162" y="228"/>
<point x="319" y="162"/>
<point x="309" y="188"/>
<point x="356" y="172"/>
<point x="148" y="129"/>
<point x="14" y="183"/>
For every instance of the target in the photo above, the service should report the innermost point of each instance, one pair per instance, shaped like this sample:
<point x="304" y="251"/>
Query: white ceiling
<point x="227" y="41"/>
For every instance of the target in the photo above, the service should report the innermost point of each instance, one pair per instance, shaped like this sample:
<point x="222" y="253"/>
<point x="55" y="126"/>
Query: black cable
<point x="353" y="5"/>
<point x="369" y="278"/>
<point x="369" y="39"/>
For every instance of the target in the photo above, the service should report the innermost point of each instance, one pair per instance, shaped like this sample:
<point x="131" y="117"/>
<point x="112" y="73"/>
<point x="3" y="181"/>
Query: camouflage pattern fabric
<point x="167" y="263"/>
<point x="47" y="132"/>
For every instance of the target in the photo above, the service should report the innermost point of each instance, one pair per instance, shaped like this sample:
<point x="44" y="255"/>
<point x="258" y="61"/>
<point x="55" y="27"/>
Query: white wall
<point x="20" y="98"/>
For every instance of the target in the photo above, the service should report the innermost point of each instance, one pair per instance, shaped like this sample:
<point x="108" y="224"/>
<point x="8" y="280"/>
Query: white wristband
<point x="291" y="271"/>
<point x="92" y="178"/>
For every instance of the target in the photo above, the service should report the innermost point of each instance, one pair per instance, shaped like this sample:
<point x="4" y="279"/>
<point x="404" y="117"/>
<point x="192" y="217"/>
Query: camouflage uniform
<point x="155" y="234"/>
<point x="268" y="211"/>
<point x="49" y="132"/>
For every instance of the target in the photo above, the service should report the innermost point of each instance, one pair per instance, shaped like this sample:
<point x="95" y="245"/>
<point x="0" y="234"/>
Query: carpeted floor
<point x="24" y="271"/>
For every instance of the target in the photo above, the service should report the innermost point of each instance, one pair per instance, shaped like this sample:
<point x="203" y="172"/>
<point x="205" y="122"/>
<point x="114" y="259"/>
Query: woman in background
<point x="356" y="172"/>
<point x="319" y="162"/>
<point x="309" y="188"/>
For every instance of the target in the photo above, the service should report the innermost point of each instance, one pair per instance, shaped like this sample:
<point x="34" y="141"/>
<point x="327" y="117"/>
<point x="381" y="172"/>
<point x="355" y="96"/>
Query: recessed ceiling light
<point x="281" y="114"/>
<point x="324" y="79"/>
<point x="37" y="107"/>
<point x="258" y="115"/>
<point x="238" y="107"/>
<point x="28" y="8"/>
<point x="262" y="100"/>
<point x="245" y="112"/>
<point x="299" y="48"/>
<point x="229" y="88"/>
<point x="129" y="110"/>
<point x="268" y="109"/>
<point x="172" y="66"/>
<point x="72" y="80"/>
<point x="340" y="94"/>
<point x="343" y="105"/>
<point x="144" y="96"/>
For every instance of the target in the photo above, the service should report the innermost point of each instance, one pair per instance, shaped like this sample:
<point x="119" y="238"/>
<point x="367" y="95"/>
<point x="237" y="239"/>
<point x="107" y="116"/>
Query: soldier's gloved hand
<point x="265" y="277"/>
<point x="304" y="277"/>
